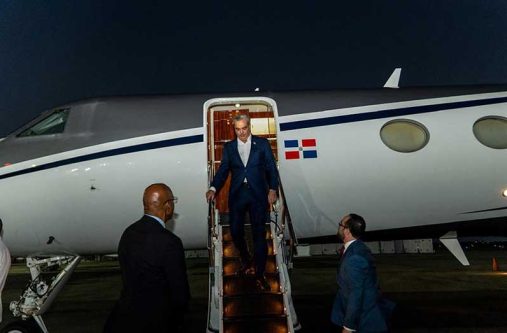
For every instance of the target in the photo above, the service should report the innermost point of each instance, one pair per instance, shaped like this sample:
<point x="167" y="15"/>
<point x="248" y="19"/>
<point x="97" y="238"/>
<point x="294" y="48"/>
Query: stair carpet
<point x="246" y="308"/>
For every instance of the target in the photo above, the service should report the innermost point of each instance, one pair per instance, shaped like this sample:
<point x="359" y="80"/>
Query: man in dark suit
<point x="155" y="290"/>
<point x="254" y="182"/>
<point x="358" y="305"/>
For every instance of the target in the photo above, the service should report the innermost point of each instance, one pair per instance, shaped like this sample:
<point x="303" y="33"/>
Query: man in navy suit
<point x="358" y="306"/>
<point x="254" y="182"/>
<point x="155" y="290"/>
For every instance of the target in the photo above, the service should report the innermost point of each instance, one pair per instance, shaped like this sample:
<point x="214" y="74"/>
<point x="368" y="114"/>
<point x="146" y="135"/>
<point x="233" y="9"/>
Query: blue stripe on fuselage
<point x="283" y="127"/>
<point x="108" y="153"/>
<point x="386" y="113"/>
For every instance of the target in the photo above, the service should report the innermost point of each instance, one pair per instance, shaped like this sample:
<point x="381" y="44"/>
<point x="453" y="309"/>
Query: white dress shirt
<point x="244" y="149"/>
<point x="159" y="220"/>
<point x="348" y="244"/>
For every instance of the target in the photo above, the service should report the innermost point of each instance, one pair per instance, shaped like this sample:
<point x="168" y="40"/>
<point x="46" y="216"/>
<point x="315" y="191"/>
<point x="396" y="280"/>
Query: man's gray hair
<point x="241" y="117"/>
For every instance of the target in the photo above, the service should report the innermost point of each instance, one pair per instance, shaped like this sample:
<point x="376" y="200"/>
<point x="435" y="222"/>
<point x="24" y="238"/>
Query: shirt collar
<point x="159" y="220"/>
<point x="348" y="244"/>
<point x="248" y="141"/>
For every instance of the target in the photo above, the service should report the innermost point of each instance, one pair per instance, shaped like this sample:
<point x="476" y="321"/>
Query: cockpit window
<point x="52" y="124"/>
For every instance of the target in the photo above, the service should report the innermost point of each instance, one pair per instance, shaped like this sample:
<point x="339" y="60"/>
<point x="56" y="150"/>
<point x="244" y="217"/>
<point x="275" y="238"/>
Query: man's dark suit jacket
<point x="358" y="304"/>
<point x="155" y="290"/>
<point x="260" y="170"/>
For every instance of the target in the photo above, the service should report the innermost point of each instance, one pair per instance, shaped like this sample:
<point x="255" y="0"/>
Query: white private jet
<point x="415" y="162"/>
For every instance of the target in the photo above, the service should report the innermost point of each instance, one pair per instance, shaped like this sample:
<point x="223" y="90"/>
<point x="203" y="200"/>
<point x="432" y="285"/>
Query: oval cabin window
<point x="491" y="131"/>
<point x="404" y="136"/>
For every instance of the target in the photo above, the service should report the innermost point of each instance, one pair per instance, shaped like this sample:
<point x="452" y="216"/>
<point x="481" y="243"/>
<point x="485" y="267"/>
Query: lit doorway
<point x="219" y="115"/>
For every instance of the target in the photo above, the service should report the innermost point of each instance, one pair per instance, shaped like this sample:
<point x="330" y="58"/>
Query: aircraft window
<point x="52" y="124"/>
<point x="404" y="136"/>
<point x="491" y="131"/>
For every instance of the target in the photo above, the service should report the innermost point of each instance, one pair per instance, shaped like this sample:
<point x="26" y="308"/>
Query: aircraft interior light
<point x="504" y="193"/>
<point x="237" y="105"/>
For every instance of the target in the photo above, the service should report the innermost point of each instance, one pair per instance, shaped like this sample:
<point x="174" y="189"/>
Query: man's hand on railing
<point x="275" y="207"/>
<point x="271" y="197"/>
<point x="210" y="195"/>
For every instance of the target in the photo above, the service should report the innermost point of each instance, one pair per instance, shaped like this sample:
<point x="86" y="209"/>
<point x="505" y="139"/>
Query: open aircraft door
<point x="218" y="115"/>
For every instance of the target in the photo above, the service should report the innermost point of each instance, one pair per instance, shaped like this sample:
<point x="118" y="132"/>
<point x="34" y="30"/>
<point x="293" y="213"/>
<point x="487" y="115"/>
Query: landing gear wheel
<point x="22" y="326"/>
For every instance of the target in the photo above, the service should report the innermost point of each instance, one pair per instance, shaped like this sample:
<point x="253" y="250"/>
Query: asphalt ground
<point x="433" y="292"/>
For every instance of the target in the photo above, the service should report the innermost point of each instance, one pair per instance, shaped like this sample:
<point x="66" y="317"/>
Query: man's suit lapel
<point x="253" y="149"/>
<point x="233" y="152"/>
<point x="345" y="256"/>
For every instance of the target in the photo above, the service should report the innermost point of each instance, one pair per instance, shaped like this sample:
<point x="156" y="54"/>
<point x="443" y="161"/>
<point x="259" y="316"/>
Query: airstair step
<point x="232" y="264"/>
<point x="229" y="250"/>
<point x="235" y="285"/>
<point x="246" y="308"/>
<point x="226" y="232"/>
<point x="253" y="305"/>
<point x="257" y="325"/>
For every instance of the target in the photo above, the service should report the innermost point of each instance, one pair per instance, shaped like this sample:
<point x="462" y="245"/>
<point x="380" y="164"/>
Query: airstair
<point x="235" y="302"/>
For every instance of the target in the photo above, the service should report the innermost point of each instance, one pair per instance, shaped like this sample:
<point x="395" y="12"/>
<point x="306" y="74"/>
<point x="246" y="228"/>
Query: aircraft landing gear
<point x="22" y="326"/>
<point x="49" y="275"/>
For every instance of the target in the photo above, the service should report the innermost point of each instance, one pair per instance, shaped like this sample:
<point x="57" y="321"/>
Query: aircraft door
<point x="219" y="116"/>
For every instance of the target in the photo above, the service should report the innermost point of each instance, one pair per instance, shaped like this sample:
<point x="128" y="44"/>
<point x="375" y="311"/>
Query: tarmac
<point x="433" y="293"/>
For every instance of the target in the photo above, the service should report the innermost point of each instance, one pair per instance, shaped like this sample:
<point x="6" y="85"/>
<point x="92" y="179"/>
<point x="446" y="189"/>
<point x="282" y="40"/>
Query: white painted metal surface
<point x="85" y="206"/>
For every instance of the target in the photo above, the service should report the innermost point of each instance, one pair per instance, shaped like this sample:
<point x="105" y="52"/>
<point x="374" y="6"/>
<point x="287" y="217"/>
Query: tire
<point x="22" y="326"/>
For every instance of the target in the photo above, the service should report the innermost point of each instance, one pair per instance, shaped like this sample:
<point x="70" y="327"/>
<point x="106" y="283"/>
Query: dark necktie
<point x="341" y="250"/>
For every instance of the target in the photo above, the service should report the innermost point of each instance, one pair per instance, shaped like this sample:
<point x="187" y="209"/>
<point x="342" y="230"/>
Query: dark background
<point x="54" y="52"/>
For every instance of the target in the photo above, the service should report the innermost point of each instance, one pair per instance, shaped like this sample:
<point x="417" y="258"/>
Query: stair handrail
<point x="286" y="241"/>
<point x="286" y="220"/>
<point x="214" y="315"/>
<point x="211" y="229"/>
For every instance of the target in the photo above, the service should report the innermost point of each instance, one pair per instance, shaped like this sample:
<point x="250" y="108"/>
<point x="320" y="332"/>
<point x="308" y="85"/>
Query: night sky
<point x="54" y="52"/>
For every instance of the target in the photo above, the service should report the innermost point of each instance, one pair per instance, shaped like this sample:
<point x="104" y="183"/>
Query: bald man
<point x="155" y="290"/>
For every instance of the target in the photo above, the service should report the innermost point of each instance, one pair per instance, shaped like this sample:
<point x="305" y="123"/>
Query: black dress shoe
<point x="262" y="284"/>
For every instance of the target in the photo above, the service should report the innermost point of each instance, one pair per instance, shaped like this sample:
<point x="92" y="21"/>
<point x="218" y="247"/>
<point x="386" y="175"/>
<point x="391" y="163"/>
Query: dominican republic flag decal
<point x="296" y="149"/>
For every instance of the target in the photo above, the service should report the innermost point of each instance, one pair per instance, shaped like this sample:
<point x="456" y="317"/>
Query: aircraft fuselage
<point x="81" y="187"/>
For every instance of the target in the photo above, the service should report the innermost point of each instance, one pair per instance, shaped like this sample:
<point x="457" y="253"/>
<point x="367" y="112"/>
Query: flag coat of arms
<point x="303" y="148"/>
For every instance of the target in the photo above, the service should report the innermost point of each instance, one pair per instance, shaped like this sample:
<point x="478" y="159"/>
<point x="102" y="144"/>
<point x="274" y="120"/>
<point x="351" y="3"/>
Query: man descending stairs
<point x="248" y="305"/>
<point x="238" y="303"/>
